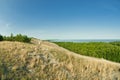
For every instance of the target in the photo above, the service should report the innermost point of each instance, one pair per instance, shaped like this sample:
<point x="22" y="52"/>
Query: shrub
<point x="115" y="43"/>
<point x="1" y="38"/>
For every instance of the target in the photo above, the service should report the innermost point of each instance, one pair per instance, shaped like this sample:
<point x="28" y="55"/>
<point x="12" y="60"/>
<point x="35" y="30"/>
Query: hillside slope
<point x="43" y="60"/>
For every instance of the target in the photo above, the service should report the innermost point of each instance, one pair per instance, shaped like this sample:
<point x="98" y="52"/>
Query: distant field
<point x="109" y="51"/>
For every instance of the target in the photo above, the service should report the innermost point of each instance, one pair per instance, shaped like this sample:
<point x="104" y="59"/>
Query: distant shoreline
<point x="84" y="40"/>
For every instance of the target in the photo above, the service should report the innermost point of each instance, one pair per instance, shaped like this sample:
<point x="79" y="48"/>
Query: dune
<point x="43" y="60"/>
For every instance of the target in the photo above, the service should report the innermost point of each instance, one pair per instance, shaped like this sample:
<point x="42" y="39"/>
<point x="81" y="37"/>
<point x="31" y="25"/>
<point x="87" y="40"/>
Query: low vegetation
<point x="117" y="43"/>
<point x="109" y="51"/>
<point x="18" y="37"/>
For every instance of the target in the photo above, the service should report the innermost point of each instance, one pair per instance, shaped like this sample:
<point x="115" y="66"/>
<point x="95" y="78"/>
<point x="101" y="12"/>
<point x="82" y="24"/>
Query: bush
<point x="117" y="43"/>
<point x="1" y="38"/>
<point x="22" y="38"/>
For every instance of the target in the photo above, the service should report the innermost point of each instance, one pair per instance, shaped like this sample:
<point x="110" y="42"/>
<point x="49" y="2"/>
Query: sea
<point x="84" y="40"/>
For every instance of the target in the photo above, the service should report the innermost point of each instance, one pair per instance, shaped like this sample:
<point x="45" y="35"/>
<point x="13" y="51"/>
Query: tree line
<point x="18" y="37"/>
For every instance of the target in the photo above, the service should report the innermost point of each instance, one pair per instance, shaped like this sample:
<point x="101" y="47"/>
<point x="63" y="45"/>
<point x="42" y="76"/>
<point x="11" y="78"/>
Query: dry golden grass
<point x="43" y="60"/>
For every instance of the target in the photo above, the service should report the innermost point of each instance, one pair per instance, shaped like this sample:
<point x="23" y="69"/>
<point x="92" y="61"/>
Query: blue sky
<point x="61" y="19"/>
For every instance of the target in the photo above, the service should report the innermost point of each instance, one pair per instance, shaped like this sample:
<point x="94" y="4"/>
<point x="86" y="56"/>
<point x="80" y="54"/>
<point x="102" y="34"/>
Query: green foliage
<point x="18" y="37"/>
<point x="22" y="38"/>
<point x="1" y="38"/>
<point x="109" y="51"/>
<point x="115" y="43"/>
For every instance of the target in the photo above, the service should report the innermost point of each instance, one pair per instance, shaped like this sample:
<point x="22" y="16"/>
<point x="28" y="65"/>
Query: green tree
<point x="1" y="38"/>
<point x="18" y="37"/>
<point x="12" y="37"/>
<point x="22" y="38"/>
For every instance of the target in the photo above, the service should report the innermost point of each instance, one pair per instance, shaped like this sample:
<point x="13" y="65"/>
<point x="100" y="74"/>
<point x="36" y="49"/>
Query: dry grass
<point x="43" y="60"/>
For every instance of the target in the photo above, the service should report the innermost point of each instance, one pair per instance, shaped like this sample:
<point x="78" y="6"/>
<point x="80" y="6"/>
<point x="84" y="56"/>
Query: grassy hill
<point x="42" y="60"/>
